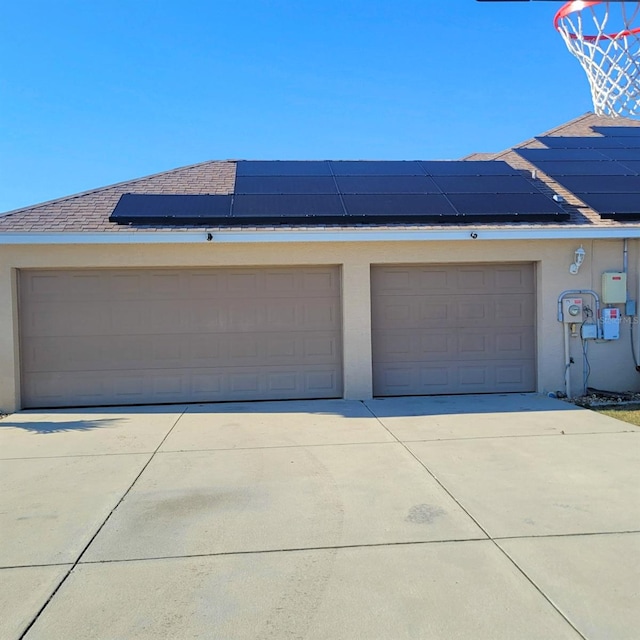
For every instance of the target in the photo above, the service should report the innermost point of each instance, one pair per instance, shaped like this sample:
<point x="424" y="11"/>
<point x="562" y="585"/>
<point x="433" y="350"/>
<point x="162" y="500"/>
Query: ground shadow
<point x="59" y="426"/>
<point x="65" y="420"/>
<point x="77" y="419"/>
<point x="404" y="406"/>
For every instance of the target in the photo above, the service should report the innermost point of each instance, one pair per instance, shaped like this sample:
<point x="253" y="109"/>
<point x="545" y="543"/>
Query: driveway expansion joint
<point x="524" y="435"/>
<point x="275" y="447"/>
<point x="373" y="545"/>
<point x="79" y="558"/>
<point x="497" y="546"/>
<point x="580" y="534"/>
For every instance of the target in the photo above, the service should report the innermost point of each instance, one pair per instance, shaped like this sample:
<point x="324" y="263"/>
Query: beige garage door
<point x="176" y="335"/>
<point x="453" y="329"/>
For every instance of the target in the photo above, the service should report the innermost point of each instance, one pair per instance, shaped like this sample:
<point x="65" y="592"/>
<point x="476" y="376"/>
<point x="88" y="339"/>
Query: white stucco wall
<point x="611" y="362"/>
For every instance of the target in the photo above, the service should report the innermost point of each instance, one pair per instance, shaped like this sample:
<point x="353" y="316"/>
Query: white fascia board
<point x="319" y="235"/>
<point x="404" y="235"/>
<point x="104" y="238"/>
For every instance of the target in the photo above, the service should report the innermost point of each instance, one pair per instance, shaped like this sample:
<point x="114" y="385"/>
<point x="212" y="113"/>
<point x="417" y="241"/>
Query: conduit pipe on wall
<point x="625" y="256"/>
<point x="567" y="362"/>
<point x="567" y="354"/>
<point x="635" y="352"/>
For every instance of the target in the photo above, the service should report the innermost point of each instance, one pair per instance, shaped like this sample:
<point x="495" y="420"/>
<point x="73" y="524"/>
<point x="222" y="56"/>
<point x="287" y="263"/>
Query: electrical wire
<point x="586" y="367"/>
<point x="633" y="351"/>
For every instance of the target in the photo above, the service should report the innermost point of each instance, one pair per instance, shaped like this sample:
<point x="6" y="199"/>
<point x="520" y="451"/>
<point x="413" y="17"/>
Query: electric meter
<point x="572" y="310"/>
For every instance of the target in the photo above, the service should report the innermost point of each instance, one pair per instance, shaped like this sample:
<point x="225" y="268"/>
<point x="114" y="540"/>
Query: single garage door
<point x="453" y="329"/>
<point x="179" y="335"/>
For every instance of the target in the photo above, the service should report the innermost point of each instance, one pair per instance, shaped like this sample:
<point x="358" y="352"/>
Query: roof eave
<point x="318" y="235"/>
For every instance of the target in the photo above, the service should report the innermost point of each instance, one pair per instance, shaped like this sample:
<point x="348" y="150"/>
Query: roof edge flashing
<point x="323" y="235"/>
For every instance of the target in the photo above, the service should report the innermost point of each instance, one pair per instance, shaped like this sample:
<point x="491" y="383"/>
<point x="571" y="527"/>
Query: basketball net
<point x="607" y="46"/>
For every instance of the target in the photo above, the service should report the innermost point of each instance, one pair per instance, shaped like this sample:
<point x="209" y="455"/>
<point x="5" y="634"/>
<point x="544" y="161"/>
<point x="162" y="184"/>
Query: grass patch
<point x="627" y="413"/>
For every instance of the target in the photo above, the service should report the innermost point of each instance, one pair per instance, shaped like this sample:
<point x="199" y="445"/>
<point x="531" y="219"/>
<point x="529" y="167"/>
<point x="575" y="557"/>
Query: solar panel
<point x="585" y="168"/>
<point x="376" y="168"/>
<point x="621" y="154"/>
<point x="626" y="132"/>
<point x="285" y="184"/>
<point x="630" y="165"/>
<point x="468" y="168"/>
<point x="535" y="155"/>
<point x="386" y="184"/>
<point x="601" y="184"/>
<point x="365" y="191"/>
<point x="167" y="209"/>
<point x="282" y="168"/>
<point x="484" y="184"/>
<point x="300" y="206"/>
<point x="517" y="204"/>
<point x="580" y="142"/>
<point x="626" y="142"/>
<point x="397" y="206"/>
<point x="616" y="206"/>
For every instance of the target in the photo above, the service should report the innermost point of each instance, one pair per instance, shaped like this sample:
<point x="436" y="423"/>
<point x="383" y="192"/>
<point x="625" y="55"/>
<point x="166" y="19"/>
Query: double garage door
<point x="152" y="336"/>
<point x="126" y="336"/>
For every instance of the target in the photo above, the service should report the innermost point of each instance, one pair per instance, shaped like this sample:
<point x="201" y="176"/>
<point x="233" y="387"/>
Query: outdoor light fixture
<point x="579" y="259"/>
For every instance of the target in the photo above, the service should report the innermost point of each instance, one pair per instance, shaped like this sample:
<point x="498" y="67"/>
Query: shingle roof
<point x="582" y="126"/>
<point x="89" y="211"/>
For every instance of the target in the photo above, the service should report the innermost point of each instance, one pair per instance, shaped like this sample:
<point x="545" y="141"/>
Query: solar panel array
<point x="354" y="192"/>
<point x="603" y="172"/>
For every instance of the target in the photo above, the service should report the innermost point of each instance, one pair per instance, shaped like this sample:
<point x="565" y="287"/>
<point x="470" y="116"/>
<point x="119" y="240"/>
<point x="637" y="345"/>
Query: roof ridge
<point x="571" y="123"/>
<point x="109" y="186"/>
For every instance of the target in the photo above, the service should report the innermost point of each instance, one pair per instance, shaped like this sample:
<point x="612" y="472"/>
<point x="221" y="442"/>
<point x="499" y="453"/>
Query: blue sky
<point x="93" y="93"/>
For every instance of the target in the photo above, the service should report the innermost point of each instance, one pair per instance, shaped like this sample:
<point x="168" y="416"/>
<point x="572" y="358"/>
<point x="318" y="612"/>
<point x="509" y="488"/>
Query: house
<point x="168" y="289"/>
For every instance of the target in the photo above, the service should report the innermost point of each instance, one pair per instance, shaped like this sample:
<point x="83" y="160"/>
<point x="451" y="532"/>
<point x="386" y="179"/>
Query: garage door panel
<point x="161" y="316"/>
<point x="413" y="311"/>
<point x="41" y="319"/>
<point x="178" y="351"/>
<point x="470" y="344"/>
<point x="453" y="329"/>
<point x="179" y="335"/>
<point x="462" y="377"/>
<point x="200" y="385"/>
<point x="452" y="279"/>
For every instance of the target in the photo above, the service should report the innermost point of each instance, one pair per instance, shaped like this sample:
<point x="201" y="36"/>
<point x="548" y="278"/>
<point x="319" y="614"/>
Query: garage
<point x="453" y="329"/>
<point x="135" y="336"/>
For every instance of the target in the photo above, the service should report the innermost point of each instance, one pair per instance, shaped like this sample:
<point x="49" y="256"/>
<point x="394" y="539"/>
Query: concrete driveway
<point x="512" y="517"/>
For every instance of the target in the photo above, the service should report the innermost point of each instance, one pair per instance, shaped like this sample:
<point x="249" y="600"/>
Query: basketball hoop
<point x="608" y="48"/>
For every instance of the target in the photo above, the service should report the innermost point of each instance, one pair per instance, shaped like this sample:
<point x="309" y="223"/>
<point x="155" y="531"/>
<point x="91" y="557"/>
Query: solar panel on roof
<point x="467" y="168"/>
<point x="579" y="142"/>
<point x="285" y="184"/>
<point x="522" y="204"/>
<point x="601" y="184"/>
<point x="616" y="206"/>
<point x="621" y="154"/>
<point x="481" y="192"/>
<point x="624" y="132"/>
<point x="484" y="184"/>
<point x="592" y="142"/>
<point x="386" y="184"/>
<point x="275" y="207"/>
<point x="282" y="168"/>
<point x="569" y="168"/>
<point x="376" y="168"/>
<point x="630" y="165"/>
<point x="397" y="205"/>
<point x="167" y="209"/>
<point x="535" y="155"/>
